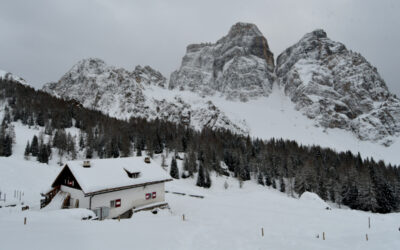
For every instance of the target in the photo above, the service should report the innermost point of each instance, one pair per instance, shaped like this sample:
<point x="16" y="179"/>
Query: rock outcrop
<point x="238" y="66"/>
<point x="338" y="88"/>
<point x="124" y="94"/>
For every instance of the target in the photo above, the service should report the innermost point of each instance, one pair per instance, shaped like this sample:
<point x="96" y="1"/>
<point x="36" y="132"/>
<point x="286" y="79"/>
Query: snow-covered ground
<point x="229" y="218"/>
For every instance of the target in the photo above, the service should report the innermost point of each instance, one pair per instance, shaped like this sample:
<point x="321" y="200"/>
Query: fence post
<point x="366" y="237"/>
<point x="369" y="222"/>
<point x="119" y="218"/>
<point x="262" y="232"/>
<point x="323" y="235"/>
<point x="25" y="221"/>
<point x="183" y="217"/>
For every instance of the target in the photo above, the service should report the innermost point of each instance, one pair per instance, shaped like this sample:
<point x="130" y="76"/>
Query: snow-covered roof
<point x="104" y="174"/>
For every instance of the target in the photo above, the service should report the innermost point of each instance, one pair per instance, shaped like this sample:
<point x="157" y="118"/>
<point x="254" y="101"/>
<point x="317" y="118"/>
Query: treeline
<point x="342" y="178"/>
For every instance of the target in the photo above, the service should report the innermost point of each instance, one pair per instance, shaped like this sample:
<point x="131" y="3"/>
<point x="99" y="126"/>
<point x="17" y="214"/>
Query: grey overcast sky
<point x="40" y="40"/>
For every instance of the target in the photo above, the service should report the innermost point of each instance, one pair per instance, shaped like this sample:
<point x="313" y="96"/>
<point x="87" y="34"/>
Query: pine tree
<point x="185" y="172"/>
<point x="27" y="150"/>
<point x="260" y="179"/>
<point x="81" y="142"/>
<point x="174" y="172"/>
<point x="273" y="184"/>
<point x="89" y="153"/>
<point x="43" y="156"/>
<point x="200" y="176"/>
<point x="282" y="187"/>
<point x="207" y="180"/>
<point x="267" y="180"/>
<point x="138" y="147"/>
<point x="35" y="146"/>
<point x="7" y="146"/>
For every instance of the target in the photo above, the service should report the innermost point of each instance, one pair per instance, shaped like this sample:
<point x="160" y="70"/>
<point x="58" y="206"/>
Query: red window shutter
<point x="154" y="195"/>
<point x="148" y="196"/>
<point x="118" y="203"/>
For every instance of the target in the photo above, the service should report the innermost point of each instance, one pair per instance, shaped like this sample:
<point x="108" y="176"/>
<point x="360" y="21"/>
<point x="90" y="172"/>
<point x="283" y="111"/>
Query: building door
<point x="77" y="203"/>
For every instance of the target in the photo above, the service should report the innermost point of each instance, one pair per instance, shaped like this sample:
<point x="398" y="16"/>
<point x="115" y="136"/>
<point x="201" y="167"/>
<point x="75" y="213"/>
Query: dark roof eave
<point x="109" y="190"/>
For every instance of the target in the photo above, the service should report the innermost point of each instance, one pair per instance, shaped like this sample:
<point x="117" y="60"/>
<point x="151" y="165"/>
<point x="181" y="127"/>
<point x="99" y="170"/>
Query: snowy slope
<point x="229" y="218"/>
<point x="277" y="117"/>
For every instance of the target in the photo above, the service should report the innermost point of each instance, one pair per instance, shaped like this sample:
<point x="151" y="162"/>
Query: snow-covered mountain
<point x="9" y="76"/>
<point x="318" y="93"/>
<point x="338" y="88"/>
<point x="122" y="93"/>
<point x="240" y="65"/>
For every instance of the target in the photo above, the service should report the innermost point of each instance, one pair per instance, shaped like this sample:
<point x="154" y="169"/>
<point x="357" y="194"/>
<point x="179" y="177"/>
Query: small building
<point x="112" y="187"/>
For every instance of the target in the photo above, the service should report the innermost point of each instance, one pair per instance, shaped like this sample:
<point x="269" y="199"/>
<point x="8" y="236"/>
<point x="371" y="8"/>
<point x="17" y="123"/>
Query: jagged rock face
<point x="238" y="66"/>
<point x="122" y="94"/>
<point x="338" y="88"/>
<point x="99" y="86"/>
<point x="149" y="76"/>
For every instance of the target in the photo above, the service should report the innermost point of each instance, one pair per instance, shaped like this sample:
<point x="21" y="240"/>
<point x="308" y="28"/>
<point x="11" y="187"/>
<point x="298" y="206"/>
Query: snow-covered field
<point x="229" y="218"/>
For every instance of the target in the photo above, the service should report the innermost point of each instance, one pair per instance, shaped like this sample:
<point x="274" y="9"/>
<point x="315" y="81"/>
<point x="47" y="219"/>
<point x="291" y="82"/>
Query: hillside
<point x="69" y="130"/>
<point x="229" y="218"/>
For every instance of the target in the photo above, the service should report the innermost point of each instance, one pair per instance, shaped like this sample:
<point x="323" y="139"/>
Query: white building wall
<point x="130" y="198"/>
<point x="76" y="194"/>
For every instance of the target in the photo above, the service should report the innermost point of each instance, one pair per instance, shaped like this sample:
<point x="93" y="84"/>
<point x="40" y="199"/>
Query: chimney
<point x="86" y="164"/>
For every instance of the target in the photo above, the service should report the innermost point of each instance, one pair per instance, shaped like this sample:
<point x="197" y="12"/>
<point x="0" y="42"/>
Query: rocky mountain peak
<point x="89" y="65"/>
<point x="149" y="76"/>
<point x="319" y="33"/>
<point x="241" y="31"/>
<point x="239" y="66"/>
<point x="338" y="88"/>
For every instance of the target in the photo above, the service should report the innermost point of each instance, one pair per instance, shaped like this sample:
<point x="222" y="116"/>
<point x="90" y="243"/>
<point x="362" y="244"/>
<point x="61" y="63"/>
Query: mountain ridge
<point x="332" y="86"/>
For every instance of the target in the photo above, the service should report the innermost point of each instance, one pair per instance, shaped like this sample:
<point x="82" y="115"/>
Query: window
<point x="115" y="203"/>
<point x="133" y="175"/>
<point x="152" y="195"/>
<point x="148" y="196"/>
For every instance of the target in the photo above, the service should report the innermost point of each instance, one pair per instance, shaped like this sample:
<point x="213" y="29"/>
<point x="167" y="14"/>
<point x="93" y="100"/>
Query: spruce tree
<point x="27" y="150"/>
<point x="43" y="156"/>
<point x="185" y="172"/>
<point x="174" y="172"/>
<point x="200" y="176"/>
<point x="273" y="184"/>
<point x="35" y="146"/>
<point x="207" y="180"/>
<point x="7" y="146"/>
<point x="260" y="179"/>
<point x="267" y="180"/>
<point x="282" y="187"/>
<point x="89" y="153"/>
